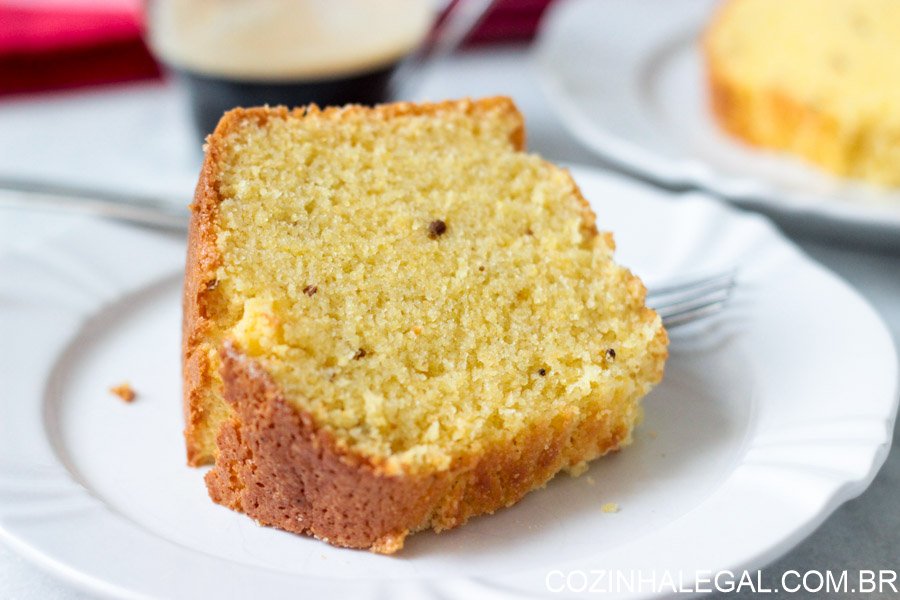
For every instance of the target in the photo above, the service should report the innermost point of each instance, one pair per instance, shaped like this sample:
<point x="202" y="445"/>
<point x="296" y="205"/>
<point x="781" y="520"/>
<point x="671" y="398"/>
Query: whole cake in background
<point x="395" y="319"/>
<point x="817" y="78"/>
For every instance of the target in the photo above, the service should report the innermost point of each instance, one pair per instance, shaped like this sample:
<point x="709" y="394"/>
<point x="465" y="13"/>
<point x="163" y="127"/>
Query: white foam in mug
<point x="250" y="52"/>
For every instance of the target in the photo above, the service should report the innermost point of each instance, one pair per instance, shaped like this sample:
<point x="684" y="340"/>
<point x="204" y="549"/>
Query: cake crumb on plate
<point x="610" y="507"/>
<point x="124" y="391"/>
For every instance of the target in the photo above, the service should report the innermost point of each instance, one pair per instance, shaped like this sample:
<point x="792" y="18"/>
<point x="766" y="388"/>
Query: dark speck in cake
<point x="436" y="229"/>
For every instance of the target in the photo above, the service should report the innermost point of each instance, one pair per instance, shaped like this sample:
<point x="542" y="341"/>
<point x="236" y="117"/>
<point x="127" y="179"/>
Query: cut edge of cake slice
<point x="280" y="466"/>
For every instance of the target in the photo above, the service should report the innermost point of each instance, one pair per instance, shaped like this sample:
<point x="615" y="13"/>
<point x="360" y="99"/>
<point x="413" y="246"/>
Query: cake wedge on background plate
<point x="816" y="78"/>
<point x="395" y="320"/>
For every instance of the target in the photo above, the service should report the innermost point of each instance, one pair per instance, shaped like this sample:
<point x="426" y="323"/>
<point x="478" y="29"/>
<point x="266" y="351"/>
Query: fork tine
<point x="724" y="279"/>
<point x="685" y="302"/>
<point x="693" y="314"/>
<point x="687" y="299"/>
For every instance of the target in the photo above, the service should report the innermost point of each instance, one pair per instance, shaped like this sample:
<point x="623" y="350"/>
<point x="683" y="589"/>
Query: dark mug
<point x="231" y="53"/>
<point x="210" y="96"/>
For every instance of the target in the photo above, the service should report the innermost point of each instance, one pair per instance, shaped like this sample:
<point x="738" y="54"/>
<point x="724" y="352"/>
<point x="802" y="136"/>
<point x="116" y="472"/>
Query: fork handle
<point x="132" y="208"/>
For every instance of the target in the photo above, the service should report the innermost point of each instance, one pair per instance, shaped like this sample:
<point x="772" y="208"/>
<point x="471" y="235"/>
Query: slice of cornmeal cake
<point x="395" y="319"/>
<point x="816" y="78"/>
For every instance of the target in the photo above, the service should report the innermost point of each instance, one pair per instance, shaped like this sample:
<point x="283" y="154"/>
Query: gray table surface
<point x="862" y="534"/>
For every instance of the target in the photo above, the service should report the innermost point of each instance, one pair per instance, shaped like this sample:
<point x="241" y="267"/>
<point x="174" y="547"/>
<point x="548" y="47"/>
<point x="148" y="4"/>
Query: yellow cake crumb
<point x="420" y="301"/>
<point x="610" y="507"/>
<point x="124" y="391"/>
<point x="577" y="469"/>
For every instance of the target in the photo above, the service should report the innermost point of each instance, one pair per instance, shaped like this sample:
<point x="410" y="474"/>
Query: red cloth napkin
<point x="510" y="20"/>
<point x="59" y="44"/>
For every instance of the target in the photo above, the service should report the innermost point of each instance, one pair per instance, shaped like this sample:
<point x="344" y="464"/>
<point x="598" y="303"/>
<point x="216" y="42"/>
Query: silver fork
<point x="678" y="303"/>
<point x="690" y="300"/>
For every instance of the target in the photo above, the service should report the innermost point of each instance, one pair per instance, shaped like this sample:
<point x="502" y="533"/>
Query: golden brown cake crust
<point x="200" y="273"/>
<point x="276" y="465"/>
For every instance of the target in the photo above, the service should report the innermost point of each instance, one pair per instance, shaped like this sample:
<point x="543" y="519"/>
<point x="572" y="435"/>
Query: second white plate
<point x="767" y="420"/>
<point x="626" y="76"/>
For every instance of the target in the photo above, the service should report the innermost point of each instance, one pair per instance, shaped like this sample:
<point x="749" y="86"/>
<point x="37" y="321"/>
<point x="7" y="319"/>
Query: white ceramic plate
<point x="768" y="419"/>
<point x="626" y="76"/>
